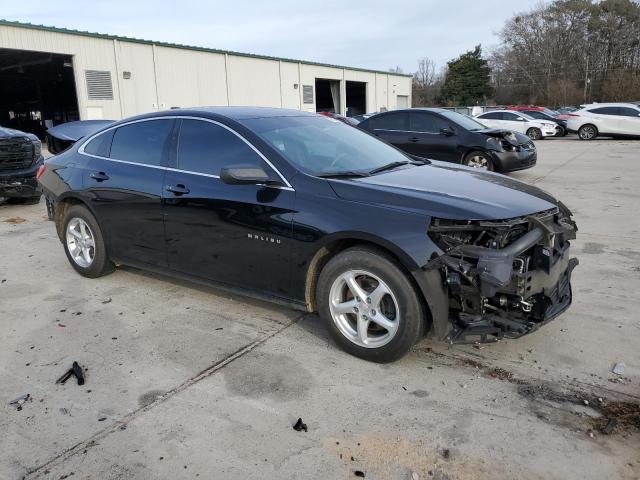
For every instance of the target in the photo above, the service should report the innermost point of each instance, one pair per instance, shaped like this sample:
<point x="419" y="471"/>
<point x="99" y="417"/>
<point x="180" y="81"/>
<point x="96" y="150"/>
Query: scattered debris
<point x="618" y="368"/>
<point x="608" y="428"/>
<point x="446" y="454"/>
<point x="359" y="473"/>
<point x="102" y="419"/>
<point x="75" y="370"/>
<point x="107" y="300"/>
<point x="300" y="426"/>
<point x="20" y="400"/>
<point x="415" y="476"/>
<point x="61" y="325"/>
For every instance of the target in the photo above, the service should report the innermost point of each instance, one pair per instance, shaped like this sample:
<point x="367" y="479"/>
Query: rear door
<point x="515" y="122"/>
<point x="235" y="234"/>
<point x="391" y="127"/>
<point x="126" y="174"/>
<point x="428" y="140"/>
<point x="607" y="119"/>
<point x="491" y="119"/>
<point x="629" y="120"/>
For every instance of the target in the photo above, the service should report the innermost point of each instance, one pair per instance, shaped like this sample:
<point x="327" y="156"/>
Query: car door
<point x="606" y="119"/>
<point x="428" y="138"/>
<point x="125" y="180"/>
<point x="629" y="120"/>
<point x="515" y="122"/>
<point x="391" y="127"/>
<point x="239" y="235"/>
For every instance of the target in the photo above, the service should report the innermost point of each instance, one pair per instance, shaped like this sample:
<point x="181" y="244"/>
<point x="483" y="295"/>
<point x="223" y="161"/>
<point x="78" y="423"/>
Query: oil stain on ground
<point x="256" y="378"/>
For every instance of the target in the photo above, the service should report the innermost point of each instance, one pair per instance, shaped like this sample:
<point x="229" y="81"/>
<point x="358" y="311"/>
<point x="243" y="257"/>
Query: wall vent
<point x="307" y="94"/>
<point x="99" y="85"/>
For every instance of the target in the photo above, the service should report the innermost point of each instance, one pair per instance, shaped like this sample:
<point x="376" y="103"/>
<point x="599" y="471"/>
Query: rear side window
<point x="100" y="145"/>
<point x="492" y="116"/>
<point x="390" y="121"/>
<point x="511" y="116"/>
<point x="536" y="114"/>
<point x="142" y="142"/>
<point x="605" y="110"/>
<point x="205" y="147"/>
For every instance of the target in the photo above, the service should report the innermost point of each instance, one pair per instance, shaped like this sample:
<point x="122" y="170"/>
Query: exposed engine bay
<point x="504" y="278"/>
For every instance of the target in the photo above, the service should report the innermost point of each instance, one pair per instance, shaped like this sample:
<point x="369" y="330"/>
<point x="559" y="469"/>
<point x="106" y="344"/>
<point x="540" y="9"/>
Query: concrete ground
<point x="185" y="381"/>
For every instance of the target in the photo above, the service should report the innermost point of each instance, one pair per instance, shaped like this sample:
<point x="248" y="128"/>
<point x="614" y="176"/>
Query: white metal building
<point x="50" y="75"/>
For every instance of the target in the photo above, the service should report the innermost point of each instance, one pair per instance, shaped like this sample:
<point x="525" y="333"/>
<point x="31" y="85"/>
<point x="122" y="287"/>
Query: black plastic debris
<point x="359" y="473"/>
<point x="608" y="428"/>
<point x="20" y="400"/>
<point x="300" y="426"/>
<point x="75" y="370"/>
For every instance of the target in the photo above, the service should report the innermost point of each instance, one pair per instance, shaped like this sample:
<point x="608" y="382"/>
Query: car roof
<point x="500" y="110"/>
<point x="233" y="113"/>
<point x="611" y="104"/>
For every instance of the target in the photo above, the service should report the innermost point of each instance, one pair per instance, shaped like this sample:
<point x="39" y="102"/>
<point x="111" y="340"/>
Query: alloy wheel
<point x="478" y="161"/>
<point x="587" y="132"/>
<point x="80" y="242"/>
<point x="364" y="308"/>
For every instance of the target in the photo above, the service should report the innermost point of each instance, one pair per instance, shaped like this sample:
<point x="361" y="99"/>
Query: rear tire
<point x="385" y="295"/>
<point x="84" y="243"/>
<point x="587" y="132"/>
<point x="480" y="160"/>
<point x="562" y="132"/>
<point x="534" y="133"/>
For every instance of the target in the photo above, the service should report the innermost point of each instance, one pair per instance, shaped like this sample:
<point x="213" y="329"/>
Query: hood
<point x="74" y="131"/>
<point x="11" y="133"/>
<point x="447" y="191"/>
<point x="512" y="137"/>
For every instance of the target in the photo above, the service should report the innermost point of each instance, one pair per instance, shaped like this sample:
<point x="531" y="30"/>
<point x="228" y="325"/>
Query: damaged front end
<point x="504" y="278"/>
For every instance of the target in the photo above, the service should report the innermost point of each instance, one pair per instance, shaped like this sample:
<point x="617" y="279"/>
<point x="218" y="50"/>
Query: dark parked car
<point x="445" y="135"/>
<point x="62" y="136"/>
<point x="297" y="208"/>
<point x="20" y="158"/>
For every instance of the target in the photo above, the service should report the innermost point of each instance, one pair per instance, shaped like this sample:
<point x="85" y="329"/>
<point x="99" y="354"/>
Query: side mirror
<point x="447" y="132"/>
<point x="246" y="175"/>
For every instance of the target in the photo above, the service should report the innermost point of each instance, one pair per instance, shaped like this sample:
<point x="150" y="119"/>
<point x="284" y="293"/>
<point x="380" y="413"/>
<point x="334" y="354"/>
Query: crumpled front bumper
<point x="20" y="183"/>
<point x="494" y="293"/>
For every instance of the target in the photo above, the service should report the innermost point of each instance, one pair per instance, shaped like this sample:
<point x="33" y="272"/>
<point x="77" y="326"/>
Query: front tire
<point x="534" y="133"/>
<point x="371" y="308"/>
<point x="587" y="132"/>
<point x="479" y="160"/>
<point x="84" y="243"/>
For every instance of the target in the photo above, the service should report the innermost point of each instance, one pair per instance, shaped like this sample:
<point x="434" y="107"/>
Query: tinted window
<point x="391" y="121"/>
<point x="142" y="142"/>
<point x="492" y="116"/>
<point x="536" y="114"/>
<point x="205" y="147"/>
<point x="100" y="145"/>
<point x="605" y="110"/>
<point x="628" y="112"/>
<point x="511" y="116"/>
<point x="463" y="120"/>
<point x="425" y="122"/>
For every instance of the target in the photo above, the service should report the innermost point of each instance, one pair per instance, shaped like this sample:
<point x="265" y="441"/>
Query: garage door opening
<point x="327" y="95"/>
<point x="356" y="98"/>
<point x="37" y="90"/>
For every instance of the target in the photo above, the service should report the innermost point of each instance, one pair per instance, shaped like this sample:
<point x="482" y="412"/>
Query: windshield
<point x="464" y="121"/>
<point x="525" y="115"/>
<point x="321" y="146"/>
<point x="551" y="113"/>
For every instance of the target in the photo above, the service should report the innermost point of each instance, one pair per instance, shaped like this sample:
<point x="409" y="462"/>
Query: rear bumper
<point x="513" y="161"/>
<point x="20" y="183"/>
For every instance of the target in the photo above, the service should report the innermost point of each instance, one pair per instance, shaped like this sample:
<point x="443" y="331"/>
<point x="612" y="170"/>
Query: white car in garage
<point x="518" y="122"/>
<point x="606" y="120"/>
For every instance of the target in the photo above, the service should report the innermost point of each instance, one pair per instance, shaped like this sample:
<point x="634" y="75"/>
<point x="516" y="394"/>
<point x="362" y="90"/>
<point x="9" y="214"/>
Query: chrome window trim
<point x="187" y="117"/>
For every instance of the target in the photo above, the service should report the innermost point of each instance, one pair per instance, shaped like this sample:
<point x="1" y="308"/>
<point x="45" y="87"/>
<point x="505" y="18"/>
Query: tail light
<point x="40" y="171"/>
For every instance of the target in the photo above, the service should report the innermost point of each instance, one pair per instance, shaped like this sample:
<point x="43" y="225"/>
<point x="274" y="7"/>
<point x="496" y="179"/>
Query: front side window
<point x="142" y="142"/>
<point x="424" y="122"/>
<point x="464" y="121"/>
<point x="390" y="121"/>
<point x="512" y="117"/>
<point x="605" y="110"/>
<point x="205" y="147"/>
<point x="320" y="145"/>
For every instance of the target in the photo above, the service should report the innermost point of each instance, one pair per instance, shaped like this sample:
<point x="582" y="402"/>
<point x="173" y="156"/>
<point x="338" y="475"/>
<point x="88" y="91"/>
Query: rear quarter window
<point x="100" y="145"/>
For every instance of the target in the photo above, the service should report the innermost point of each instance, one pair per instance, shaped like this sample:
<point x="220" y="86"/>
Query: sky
<point x="373" y="34"/>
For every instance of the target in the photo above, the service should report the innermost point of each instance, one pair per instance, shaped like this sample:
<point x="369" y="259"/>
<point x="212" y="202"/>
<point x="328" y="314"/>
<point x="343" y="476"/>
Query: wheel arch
<point x="341" y="242"/>
<point x="63" y="203"/>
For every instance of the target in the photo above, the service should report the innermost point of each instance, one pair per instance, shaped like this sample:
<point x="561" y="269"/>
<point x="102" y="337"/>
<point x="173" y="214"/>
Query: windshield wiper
<point x="343" y="174"/>
<point x="388" y="166"/>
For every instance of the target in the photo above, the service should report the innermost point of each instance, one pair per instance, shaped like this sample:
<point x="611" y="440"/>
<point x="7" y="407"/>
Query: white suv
<point x="605" y="119"/>
<point x="518" y="122"/>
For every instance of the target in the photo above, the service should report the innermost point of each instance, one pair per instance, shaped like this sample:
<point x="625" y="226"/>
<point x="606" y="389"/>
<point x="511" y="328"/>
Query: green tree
<point x="467" y="81"/>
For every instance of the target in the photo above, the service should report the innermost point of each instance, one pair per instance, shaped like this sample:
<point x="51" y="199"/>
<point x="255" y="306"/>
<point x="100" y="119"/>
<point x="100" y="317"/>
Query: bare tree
<point x="426" y="84"/>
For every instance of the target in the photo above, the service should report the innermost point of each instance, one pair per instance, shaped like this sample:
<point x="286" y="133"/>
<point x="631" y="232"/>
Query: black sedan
<point x="304" y="210"/>
<point x="452" y="137"/>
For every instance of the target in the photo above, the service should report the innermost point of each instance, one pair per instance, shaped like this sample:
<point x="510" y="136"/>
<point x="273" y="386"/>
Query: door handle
<point x="178" y="189"/>
<point x="414" y="139"/>
<point x="99" y="176"/>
